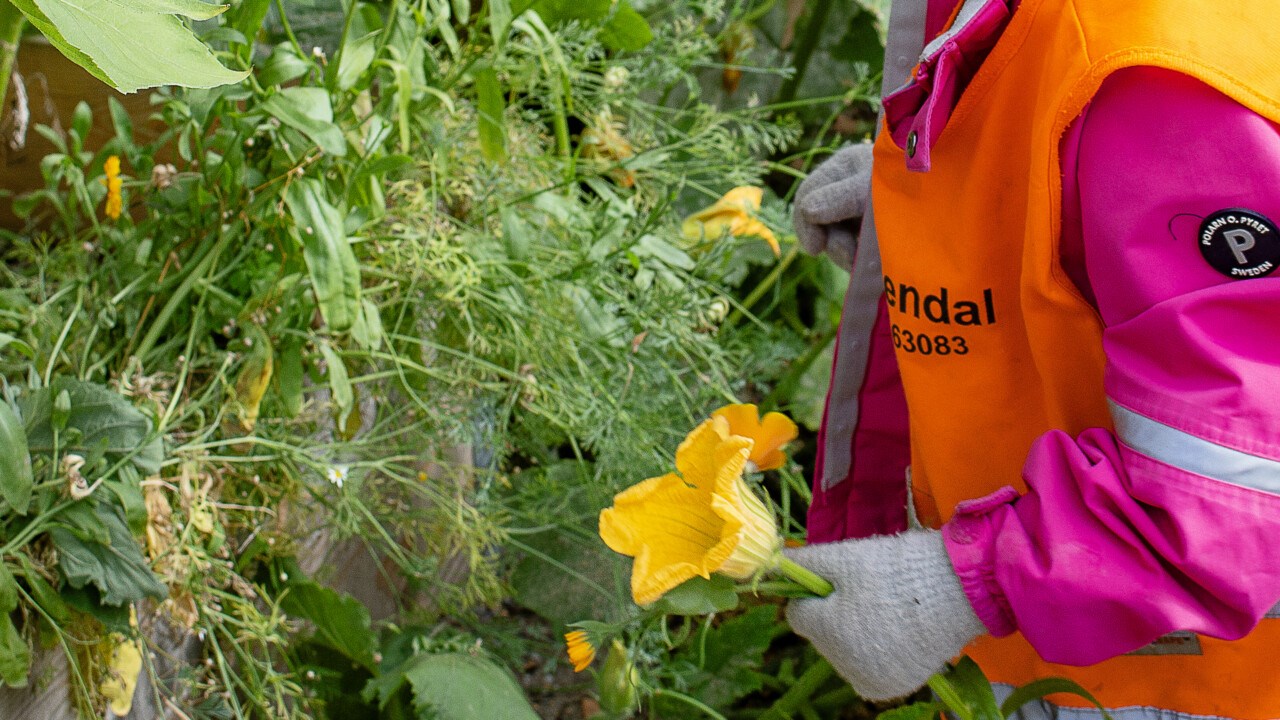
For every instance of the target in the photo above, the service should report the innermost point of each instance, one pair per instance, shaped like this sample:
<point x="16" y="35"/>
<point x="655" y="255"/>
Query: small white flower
<point x="337" y="474"/>
<point x="616" y="77"/>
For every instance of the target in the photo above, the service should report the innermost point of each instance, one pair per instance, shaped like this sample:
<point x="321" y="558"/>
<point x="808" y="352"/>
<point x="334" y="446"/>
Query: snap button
<point x="912" y="140"/>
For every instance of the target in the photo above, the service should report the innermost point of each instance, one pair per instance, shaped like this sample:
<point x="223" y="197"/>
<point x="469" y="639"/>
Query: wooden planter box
<point x="54" y="85"/>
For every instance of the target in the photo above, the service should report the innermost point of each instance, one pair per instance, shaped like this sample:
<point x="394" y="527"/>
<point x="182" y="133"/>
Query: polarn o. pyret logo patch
<point x="1240" y="243"/>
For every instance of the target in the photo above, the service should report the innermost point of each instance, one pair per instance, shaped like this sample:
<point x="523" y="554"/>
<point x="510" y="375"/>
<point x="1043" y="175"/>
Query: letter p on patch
<point x="1239" y="241"/>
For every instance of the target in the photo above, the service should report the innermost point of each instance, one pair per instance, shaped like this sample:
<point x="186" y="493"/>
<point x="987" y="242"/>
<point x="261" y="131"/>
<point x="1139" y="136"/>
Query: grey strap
<point x="861" y="301"/>
<point x="967" y="13"/>
<point x="1194" y="454"/>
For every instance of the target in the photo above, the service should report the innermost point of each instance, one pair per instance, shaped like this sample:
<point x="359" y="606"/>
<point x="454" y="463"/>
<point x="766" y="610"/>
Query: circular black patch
<point x="1240" y="244"/>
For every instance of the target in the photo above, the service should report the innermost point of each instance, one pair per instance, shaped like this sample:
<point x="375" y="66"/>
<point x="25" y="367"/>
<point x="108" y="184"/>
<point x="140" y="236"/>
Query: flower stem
<point x="807" y="578"/>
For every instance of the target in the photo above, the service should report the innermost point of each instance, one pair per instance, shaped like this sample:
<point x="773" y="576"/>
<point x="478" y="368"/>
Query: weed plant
<point x="423" y="299"/>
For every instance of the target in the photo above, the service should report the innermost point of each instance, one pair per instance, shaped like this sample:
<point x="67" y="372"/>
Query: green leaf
<point x="6" y="340"/>
<point x="699" y="596"/>
<point x="462" y="687"/>
<point x="106" y="422"/>
<point x="282" y="66"/>
<point x="81" y="519"/>
<point x="499" y="22"/>
<point x="356" y="58"/>
<point x="335" y="274"/>
<point x="308" y="110"/>
<point x="339" y="383"/>
<point x="517" y="234"/>
<point x="491" y="108"/>
<point x="731" y="656"/>
<point x="43" y="593"/>
<point x="462" y="11"/>
<point x="8" y="590"/>
<point x="367" y="331"/>
<point x="15" y="461"/>
<point x="341" y="622"/>
<point x="15" y="656"/>
<point x="81" y="120"/>
<point x="967" y="691"/>
<point x="565" y="10"/>
<point x="289" y="374"/>
<point x="1047" y="686"/>
<point x="88" y="601"/>
<point x="560" y="578"/>
<point x="914" y="711"/>
<point x="132" y="44"/>
<point x="659" y="249"/>
<point x="117" y="570"/>
<point x="247" y="16"/>
<point x="626" y="30"/>
<point x="129" y="491"/>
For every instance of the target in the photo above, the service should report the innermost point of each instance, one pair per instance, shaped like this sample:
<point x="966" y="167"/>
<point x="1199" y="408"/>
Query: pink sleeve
<point x="1171" y="523"/>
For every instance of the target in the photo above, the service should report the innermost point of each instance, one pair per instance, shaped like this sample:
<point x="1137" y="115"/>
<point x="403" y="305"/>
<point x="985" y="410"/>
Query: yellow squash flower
<point x="113" y="182"/>
<point x="702" y="520"/>
<point x="768" y="434"/>
<point x="734" y="213"/>
<point x="122" y="675"/>
<point x="581" y="651"/>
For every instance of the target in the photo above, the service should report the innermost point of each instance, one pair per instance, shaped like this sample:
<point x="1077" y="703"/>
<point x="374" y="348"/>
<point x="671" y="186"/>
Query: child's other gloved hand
<point x="830" y="203"/>
<point x="897" y="615"/>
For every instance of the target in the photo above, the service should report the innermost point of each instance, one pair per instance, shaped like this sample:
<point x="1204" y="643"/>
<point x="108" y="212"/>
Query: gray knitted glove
<point x="897" y="615"/>
<point x="830" y="203"/>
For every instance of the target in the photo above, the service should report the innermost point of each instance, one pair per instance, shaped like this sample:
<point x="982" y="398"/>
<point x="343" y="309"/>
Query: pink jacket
<point x="1172" y="525"/>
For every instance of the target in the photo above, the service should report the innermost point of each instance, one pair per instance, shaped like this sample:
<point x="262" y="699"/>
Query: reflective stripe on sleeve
<point x="1193" y="454"/>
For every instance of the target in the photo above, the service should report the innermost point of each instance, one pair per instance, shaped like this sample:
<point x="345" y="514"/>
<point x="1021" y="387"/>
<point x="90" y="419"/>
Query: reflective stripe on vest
<point x="1193" y="454"/>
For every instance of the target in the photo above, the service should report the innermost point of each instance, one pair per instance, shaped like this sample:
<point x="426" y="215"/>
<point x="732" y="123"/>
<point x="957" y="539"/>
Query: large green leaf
<point x="626" y="30"/>
<point x="700" y="596"/>
<point x="463" y="687"/>
<point x="105" y="422"/>
<point x="341" y="622"/>
<point x="132" y="44"/>
<point x="15" y="656"/>
<point x="117" y="569"/>
<point x="15" y="461"/>
<point x="332" y="265"/>
<point x="309" y="111"/>
<point x="730" y="655"/>
<point x="565" y="579"/>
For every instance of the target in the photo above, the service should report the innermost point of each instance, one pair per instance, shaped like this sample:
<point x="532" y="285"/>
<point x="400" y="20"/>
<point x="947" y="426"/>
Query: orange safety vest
<point x="1020" y="352"/>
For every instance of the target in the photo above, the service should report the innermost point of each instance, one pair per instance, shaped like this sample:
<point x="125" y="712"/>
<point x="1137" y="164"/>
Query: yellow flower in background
<point x="734" y="213"/>
<point x="113" y="183"/>
<point x="122" y="674"/>
<point x="581" y="651"/>
<point x="768" y="434"/>
<point x="702" y="520"/>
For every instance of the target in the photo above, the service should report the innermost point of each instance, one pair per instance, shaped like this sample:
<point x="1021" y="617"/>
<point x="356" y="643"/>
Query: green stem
<point x="179" y="297"/>
<point x="806" y="577"/>
<point x="800" y="693"/>
<point x="709" y="712"/>
<point x="949" y="697"/>
<point x="11" y="23"/>
<point x="765" y="285"/>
